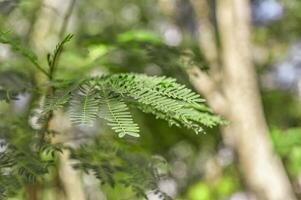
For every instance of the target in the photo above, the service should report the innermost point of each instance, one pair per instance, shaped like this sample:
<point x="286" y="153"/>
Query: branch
<point x="206" y="86"/>
<point x="206" y="35"/>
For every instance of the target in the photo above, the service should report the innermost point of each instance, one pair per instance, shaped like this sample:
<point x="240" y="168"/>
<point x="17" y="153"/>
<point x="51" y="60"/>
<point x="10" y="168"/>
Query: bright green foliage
<point x="62" y="96"/>
<point x="52" y="59"/>
<point x="221" y="189"/>
<point x="84" y="105"/>
<point x="108" y="97"/>
<point x="116" y="112"/>
<point x="288" y="145"/>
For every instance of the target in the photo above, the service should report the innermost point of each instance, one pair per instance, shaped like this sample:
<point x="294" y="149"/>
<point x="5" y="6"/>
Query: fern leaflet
<point x="84" y="105"/>
<point x="107" y="97"/>
<point x="116" y="112"/>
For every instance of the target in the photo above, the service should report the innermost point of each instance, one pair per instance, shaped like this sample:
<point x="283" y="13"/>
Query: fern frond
<point x="84" y="105"/>
<point x="162" y="86"/>
<point x="59" y="99"/>
<point x="186" y="117"/>
<point x="159" y="96"/>
<point x="56" y="102"/>
<point x="107" y="97"/>
<point x="159" y="115"/>
<point x="52" y="58"/>
<point x="169" y="87"/>
<point x="117" y="113"/>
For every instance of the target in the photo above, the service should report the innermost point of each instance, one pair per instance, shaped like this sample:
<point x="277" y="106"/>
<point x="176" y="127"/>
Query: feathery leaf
<point x="84" y="105"/>
<point x="116" y="112"/>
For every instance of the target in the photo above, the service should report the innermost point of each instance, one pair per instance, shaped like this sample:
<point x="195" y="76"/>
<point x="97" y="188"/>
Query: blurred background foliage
<point x="136" y="36"/>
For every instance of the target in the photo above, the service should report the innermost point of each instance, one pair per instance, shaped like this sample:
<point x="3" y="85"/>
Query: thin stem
<point x="42" y="70"/>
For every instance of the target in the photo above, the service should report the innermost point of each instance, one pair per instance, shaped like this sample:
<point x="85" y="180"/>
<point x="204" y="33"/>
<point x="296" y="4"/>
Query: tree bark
<point x="262" y="170"/>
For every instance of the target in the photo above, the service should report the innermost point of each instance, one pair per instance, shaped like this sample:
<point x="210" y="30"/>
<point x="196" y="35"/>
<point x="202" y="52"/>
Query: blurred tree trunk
<point x="53" y="19"/>
<point x="49" y="28"/>
<point x="236" y="96"/>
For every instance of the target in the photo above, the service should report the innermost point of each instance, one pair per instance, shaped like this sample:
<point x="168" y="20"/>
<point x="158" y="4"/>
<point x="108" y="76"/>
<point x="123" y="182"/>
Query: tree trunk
<point x="239" y="101"/>
<point x="48" y="30"/>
